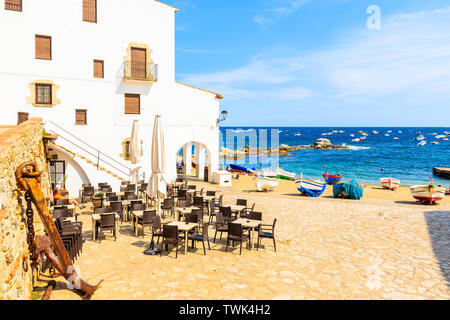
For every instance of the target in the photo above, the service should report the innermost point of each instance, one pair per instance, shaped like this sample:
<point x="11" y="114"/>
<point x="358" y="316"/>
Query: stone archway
<point x="199" y="156"/>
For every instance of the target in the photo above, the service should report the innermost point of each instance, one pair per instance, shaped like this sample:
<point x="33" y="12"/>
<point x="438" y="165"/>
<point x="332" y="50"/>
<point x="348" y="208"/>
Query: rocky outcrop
<point x="283" y="150"/>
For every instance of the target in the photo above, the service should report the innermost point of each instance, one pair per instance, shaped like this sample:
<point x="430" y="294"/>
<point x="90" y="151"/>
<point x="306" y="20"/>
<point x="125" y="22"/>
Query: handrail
<point x="99" y="152"/>
<point x="98" y="157"/>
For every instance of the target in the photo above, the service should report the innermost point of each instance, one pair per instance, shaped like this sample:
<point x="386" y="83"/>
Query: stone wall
<point x="18" y="144"/>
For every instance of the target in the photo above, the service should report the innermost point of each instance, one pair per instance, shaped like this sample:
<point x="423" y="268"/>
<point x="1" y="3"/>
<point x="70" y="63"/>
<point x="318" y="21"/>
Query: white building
<point x="91" y="67"/>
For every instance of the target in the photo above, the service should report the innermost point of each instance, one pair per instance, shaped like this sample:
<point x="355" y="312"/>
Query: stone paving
<point x="327" y="249"/>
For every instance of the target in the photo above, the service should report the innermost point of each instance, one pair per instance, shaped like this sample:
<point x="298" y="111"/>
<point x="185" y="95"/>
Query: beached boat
<point x="311" y="188"/>
<point x="428" y="194"/>
<point x="242" y="169"/>
<point x="282" y="174"/>
<point x="332" y="179"/>
<point x="390" y="183"/>
<point x="265" y="183"/>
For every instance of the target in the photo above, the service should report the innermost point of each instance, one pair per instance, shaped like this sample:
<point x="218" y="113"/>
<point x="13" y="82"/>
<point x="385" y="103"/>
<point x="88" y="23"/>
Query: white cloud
<point x="409" y="57"/>
<point x="277" y="10"/>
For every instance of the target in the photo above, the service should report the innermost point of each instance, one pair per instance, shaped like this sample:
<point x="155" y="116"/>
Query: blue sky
<point x="315" y="62"/>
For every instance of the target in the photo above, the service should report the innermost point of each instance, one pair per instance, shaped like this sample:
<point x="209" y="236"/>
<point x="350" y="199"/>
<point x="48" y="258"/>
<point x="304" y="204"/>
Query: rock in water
<point x="322" y="143"/>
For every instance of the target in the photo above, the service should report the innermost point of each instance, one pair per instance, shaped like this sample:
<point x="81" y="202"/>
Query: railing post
<point x="98" y="159"/>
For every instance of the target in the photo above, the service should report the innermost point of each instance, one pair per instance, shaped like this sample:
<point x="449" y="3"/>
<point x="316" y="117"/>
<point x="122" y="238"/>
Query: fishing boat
<point x="356" y="140"/>
<point x="264" y="183"/>
<point x="237" y="168"/>
<point x="396" y="138"/>
<point x="390" y="183"/>
<point x="422" y="143"/>
<point x="428" y="194"/>
<point x="332" y="179"/>
<point x="419" y="137"/>
<point x="282" y="174"/>
<point x="311" y="188"/>
<point x="375" y="132"/>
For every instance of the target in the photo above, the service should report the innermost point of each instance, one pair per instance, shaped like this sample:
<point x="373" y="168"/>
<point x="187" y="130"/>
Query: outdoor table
<point x="68" y="206"/>
<point x="184" y="211"/>
<point x="96" y="217"/>
<point x="183" y="226"/>
<point x="251" y="224"/>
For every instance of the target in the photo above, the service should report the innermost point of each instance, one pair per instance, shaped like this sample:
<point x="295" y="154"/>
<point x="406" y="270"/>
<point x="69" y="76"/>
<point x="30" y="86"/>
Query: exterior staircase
<point x="52" y="144"/>
<point x="77" y="147"/>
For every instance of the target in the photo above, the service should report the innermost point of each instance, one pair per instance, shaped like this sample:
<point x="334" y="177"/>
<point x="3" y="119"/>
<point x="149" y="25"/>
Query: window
<point x="57" y="173"/>
<point x="43" y="93"/>
<point x="138" y="63"/>
<point x="80" y="117"/>
<point x="90" y="11"/>
<point x="132" y="103"/>
<point x="43" y="46"/>
<point x="14" y="5"/>
<point x="99" y="69"/>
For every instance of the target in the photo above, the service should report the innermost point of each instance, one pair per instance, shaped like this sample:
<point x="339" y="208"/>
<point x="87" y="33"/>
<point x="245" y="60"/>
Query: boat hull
<point x="311" y="188"/>
<point x="390" y="183"/>
<point x="428" y="194"/>
<point x="331" y="180"/>
<point x="237" y="168"/>
<point x="265" y="184"/>
<point x="281" y="174"/>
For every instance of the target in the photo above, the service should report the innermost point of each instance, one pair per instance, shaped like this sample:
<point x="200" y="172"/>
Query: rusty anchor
<point x="29" y="180"/>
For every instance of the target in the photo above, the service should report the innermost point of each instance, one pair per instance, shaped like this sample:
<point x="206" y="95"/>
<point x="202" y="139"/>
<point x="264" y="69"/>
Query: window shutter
<point x="80" y="117"/>
<point x="43" y="47"/>
<point x="138" y="63"/>
<point x="90" y="10"/>
<point x="132" y="104"/>
<point x="14" y="5"/>
<point x="99" y="69"/>
<point x="43" y="93"/>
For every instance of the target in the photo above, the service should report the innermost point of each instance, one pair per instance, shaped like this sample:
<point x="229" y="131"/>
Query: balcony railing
<point x="140" y="71"/>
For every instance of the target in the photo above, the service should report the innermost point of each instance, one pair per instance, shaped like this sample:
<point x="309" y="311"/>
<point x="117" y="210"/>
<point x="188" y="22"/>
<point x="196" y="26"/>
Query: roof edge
<point x="176" y="9"/>
<point x="218" y="95"/>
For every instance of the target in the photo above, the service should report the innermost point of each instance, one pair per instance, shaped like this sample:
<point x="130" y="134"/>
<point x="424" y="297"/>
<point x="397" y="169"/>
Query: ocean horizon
<point x="393" y="152"/>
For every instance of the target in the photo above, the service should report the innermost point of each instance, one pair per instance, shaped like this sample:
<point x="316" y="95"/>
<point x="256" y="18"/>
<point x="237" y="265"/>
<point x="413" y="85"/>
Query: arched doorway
<point x="192" y="160"/>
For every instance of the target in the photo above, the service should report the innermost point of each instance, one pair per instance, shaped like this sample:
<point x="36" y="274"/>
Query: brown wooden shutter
<point x="90" y="10"/>
<point x="43" y="93"/>
<point x="132" y="103"/>
<point x="43" y="47"/>
<point x="14" y="5"/>
<point x="99" y="69"/>
<point x="80" y="117"/>
<point x="138" y="63"/>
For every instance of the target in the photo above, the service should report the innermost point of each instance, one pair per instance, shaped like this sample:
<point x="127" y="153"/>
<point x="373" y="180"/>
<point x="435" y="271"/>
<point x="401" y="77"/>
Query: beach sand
<point x="385" y="246"/>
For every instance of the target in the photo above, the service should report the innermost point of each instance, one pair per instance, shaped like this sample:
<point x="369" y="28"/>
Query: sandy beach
<point x="382" y="247"/>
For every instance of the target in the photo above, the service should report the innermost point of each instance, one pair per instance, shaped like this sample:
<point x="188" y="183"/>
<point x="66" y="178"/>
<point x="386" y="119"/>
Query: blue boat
<point x="332" y="180"/>
<point x="311" y="188"/>
<point x="236" y="167"/>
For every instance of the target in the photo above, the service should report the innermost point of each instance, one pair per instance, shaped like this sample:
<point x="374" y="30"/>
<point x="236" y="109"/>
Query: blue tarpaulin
<point x="350" y="190"/>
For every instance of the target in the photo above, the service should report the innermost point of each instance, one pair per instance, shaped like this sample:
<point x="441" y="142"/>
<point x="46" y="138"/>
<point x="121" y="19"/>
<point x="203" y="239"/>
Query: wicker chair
<point x="170" y="236"/>
<point x="107" y="223"/>
<point x="236" y="234"/>
<point x="267" y="231"/>
<point x="88" y="193"/>
<point x="221" y="226"/>
<point x="156" y="229"/>
<point x="117" y="207"/>
<point x="146" y="220"/>
<point x="203" y="236"/>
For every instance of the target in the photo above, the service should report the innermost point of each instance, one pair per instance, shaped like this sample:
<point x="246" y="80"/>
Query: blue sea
<point x="367" y="161"/>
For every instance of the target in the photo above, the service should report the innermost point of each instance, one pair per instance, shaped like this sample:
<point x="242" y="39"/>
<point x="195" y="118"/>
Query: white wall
<point x="187" y="114"/>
